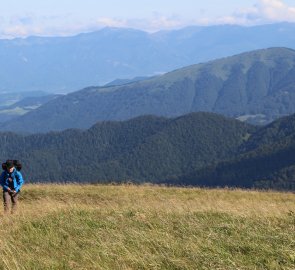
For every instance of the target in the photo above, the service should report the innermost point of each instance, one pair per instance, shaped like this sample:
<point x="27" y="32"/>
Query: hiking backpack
<point x="16" y="163"/>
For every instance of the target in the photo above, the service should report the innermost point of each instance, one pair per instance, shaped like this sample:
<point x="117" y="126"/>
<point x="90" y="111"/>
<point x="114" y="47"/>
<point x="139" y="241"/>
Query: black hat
<point x="9" y="164"/>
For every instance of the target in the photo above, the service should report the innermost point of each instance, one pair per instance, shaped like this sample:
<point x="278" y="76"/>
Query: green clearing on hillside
<point x="148" y="227"/>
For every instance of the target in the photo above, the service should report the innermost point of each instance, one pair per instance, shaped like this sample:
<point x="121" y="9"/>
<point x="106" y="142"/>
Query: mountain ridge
<point x="66" y="64"/>
<point x="257" y="86"/>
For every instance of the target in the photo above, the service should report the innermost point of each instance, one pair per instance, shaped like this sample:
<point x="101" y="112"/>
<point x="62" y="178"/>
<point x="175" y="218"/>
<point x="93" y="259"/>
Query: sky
<point x="22" y="18"/>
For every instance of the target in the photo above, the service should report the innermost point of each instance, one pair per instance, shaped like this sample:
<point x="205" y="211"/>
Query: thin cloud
<point x="163" y="22"/>
<point x="264" y="11"/>
<point x="22" y="20"/>
<point x="111" y="22"/>
<point x="31" y="25"/>
<point x="24" y="26"/>
<point x="156" y="23"/>
<point x="276" y="10"/>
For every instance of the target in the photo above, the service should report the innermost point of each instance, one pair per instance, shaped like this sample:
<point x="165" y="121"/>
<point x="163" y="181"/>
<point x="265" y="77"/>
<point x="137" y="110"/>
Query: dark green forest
<point x="265" y="160"/>
<point x="202" y="149"/>
<point x="146" y="148"/>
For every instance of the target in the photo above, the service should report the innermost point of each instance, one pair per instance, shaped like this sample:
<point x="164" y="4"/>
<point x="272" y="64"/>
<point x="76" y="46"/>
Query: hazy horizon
<point x="67" y="18"/>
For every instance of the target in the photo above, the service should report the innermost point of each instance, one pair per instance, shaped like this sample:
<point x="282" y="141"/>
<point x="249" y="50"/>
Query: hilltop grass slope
<point x="148" y="227"/>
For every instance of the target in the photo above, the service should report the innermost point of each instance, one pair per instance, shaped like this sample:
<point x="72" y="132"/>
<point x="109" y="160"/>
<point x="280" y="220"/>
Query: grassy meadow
<point x="148" y="227"/>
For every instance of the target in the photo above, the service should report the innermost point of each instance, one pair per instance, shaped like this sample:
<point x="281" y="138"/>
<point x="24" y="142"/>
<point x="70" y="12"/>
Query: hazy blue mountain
<point x="257" y="86"/>
<point x="10" y="98"/>
<point x="22" y="103"/>
<point x="64" y="64"/>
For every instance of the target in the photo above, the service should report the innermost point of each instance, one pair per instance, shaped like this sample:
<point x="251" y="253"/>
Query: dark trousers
<point x="9" y="198"/>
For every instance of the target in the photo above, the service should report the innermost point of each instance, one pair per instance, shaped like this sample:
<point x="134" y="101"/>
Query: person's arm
<point x="2" y="181"/>
<point x="19" y="181"/>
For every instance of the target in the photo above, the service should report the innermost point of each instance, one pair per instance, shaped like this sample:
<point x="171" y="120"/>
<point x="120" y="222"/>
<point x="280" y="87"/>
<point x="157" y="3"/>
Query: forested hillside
<point x="146" y="149"/>
<point x="266" y="160"/>
<point x="200" y="149"/>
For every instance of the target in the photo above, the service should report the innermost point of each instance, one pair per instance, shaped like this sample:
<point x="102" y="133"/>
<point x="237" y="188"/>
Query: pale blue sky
<point x="19" y="18"/>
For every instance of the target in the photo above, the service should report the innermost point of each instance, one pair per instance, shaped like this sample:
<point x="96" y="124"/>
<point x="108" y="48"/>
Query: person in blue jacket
<point x="11" y="181"/>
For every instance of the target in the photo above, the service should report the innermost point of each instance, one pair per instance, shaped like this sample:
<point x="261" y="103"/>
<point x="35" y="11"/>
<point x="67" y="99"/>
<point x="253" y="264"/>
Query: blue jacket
<point x="17" y="180"/>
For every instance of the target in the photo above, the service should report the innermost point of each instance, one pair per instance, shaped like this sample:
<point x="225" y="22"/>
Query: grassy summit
<point x="148" y="227"/>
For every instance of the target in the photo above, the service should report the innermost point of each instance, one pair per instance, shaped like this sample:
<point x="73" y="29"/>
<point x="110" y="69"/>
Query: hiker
<point x="11" y="181"/>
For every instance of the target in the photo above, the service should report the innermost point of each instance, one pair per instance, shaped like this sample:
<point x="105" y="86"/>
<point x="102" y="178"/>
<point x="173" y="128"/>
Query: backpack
<point x="16" y="163"/>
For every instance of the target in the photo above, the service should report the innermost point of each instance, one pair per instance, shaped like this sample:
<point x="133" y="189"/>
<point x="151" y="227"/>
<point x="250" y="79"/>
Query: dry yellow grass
<point x="148" y="227"/>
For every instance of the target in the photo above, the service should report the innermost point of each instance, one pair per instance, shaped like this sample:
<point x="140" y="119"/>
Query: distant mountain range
<point x="202" y="149"/>
<point x="66" y="64"/>
<point x="257" y="87"/>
